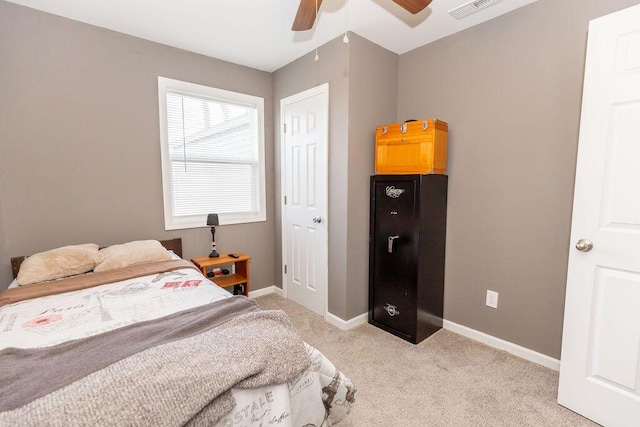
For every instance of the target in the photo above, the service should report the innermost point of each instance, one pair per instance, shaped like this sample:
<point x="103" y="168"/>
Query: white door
<point x="304" y="186"/>
<point x="600" y="364"/>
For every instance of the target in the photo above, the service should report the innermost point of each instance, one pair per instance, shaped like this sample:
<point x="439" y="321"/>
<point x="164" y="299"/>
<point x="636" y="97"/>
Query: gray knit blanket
<point x="177" y="370"/>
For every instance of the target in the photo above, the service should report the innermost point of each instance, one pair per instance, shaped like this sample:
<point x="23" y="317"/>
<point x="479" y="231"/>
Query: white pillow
<point x="57" y="263"/>
<point x="136" y="252"/>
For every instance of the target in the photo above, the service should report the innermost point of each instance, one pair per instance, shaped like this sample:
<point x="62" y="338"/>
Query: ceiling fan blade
<point x="413" y="6"/>
<point x="306" y="15"/>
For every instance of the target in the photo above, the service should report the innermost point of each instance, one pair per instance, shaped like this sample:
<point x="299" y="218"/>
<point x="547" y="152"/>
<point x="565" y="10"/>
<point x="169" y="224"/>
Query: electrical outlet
<point x="492" y="299"/>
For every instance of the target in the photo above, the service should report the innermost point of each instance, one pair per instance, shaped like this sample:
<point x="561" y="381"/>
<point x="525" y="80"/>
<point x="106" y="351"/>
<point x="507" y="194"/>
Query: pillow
<point x="137" y="252"/>
<point x="57" y="263"/>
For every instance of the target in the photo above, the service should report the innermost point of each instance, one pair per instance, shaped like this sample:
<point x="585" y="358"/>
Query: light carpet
<point x="446" y="380"/>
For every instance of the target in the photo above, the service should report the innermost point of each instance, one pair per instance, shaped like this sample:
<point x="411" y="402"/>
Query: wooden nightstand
<point x="240" y="277"/>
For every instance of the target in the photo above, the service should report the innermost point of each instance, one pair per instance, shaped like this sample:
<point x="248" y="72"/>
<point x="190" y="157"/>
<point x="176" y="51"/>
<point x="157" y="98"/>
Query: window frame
<point x="166" y="85"/>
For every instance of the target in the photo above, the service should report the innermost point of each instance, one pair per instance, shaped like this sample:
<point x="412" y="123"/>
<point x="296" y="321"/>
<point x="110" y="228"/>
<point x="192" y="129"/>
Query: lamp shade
<point x="212" y="219"/>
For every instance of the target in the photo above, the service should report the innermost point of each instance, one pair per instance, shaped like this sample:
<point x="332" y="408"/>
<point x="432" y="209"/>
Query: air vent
<point x="471" y="8"/>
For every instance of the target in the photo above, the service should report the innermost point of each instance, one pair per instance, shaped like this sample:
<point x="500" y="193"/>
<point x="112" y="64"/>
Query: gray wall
<point x="81" y="161"/>
<point x="79" y="139"/>
<point x="302" y="74"/>
<point x="373" y="95"/>
<point x="353" y="71"/>
<point x="510" y="90"/>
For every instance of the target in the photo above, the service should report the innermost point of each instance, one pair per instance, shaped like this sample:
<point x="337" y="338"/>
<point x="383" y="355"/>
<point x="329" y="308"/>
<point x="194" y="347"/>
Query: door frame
<point x="322" y="89"/>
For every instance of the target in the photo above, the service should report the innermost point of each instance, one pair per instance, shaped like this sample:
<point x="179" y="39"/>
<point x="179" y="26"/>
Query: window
<point x="212" y="146"/>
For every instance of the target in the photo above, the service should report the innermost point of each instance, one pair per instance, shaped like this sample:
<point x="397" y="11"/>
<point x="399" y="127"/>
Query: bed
<point x="154" y="342"/>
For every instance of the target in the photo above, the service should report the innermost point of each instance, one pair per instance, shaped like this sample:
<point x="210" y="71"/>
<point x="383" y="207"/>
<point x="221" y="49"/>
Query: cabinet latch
<point x="391" y="310"/>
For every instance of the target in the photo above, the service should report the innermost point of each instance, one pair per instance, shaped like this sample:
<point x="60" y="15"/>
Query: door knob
<point x="584" y="245"/>
<point x="317" y="219"/>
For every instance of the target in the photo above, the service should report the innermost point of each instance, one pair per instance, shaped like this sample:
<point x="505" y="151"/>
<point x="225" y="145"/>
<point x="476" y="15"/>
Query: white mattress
<point x="54" y="319"/>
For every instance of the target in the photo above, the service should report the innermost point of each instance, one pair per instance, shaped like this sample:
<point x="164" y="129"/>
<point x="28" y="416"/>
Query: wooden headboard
<point x="174" y="245"/>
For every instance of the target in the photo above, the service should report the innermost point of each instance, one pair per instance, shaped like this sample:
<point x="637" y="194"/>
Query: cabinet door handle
<point x="390" y="240"/>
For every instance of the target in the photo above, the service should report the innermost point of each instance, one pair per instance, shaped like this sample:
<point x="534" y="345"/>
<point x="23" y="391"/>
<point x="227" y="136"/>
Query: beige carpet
<point x="447" y="380"/>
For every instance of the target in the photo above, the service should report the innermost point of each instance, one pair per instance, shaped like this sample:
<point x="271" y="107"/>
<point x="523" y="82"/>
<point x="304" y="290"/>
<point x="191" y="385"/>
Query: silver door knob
<point x="584" y="245"/>
<point x="317" y="219"/>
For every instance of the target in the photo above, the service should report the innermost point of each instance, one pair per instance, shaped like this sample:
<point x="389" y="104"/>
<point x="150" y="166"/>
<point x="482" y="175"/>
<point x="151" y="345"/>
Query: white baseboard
<point x="265" y="291"/>
<point x="331" y="318"/>
<point x="500" y="344"/>
<point x="491" y="341"/>
<point x="347" y="324"/>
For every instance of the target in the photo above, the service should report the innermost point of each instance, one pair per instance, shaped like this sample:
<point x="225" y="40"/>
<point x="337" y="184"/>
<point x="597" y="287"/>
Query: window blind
<point x="213" y="150"/>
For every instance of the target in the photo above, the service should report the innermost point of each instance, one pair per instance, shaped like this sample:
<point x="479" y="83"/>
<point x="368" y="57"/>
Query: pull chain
<point x="345" y="39"/>
<point x="317" y="57"/>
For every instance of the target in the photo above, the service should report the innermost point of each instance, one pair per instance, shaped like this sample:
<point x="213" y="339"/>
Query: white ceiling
<point x="257" y="33"/>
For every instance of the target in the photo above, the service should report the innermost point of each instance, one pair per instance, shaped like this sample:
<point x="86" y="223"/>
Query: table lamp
<point x="212" y="220"/>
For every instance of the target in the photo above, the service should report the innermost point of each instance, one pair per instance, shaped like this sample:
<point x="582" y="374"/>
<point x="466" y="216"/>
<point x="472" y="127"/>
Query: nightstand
<point x="240" y="277"/>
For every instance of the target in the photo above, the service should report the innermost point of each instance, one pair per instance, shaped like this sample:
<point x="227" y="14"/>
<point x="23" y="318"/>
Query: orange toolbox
<point x="413" y="147"/>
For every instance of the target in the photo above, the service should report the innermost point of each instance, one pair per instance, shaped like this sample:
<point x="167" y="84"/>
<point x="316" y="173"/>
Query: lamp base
<point x="214" y="254"/>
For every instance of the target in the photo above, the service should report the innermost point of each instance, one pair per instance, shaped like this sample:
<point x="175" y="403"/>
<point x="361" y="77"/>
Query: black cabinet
<point x="406" y="254"/>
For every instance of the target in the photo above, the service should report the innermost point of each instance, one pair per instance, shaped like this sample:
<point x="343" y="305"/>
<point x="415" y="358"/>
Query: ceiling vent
<point x="471" y="8"/>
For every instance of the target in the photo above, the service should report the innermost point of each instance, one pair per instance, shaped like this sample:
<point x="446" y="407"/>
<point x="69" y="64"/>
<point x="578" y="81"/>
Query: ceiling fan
<point x="307" y="11"/>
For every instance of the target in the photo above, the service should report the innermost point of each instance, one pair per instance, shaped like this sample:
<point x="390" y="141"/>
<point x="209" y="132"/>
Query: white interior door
<point x="600" y="364"/>
<point x="304" y="211"/>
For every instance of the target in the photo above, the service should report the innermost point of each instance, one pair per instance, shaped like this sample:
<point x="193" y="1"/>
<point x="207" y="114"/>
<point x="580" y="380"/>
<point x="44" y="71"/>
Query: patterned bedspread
<point x="318" y="395"/>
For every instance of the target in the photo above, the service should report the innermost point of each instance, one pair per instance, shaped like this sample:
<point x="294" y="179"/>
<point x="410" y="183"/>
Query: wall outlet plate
<point x="492" y="299"/>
